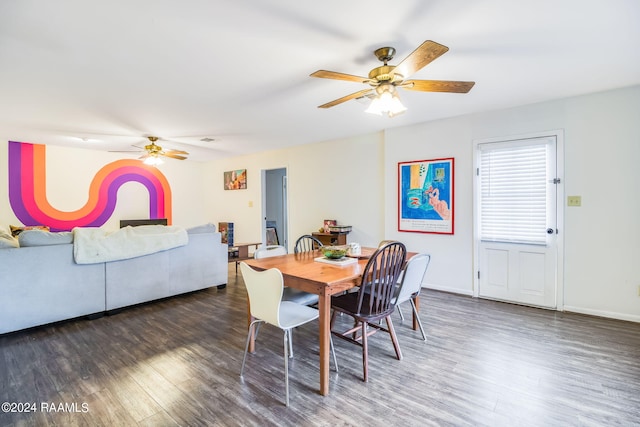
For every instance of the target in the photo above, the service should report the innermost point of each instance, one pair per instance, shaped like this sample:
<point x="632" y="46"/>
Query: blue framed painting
<point x="425" y="196"/>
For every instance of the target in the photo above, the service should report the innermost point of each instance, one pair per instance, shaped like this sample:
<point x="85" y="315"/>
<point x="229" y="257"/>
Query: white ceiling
<point x="112" y="72"/>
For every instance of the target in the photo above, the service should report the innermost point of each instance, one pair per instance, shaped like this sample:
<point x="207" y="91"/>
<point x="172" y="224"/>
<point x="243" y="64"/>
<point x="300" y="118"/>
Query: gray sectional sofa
<point x="43" y="284"/>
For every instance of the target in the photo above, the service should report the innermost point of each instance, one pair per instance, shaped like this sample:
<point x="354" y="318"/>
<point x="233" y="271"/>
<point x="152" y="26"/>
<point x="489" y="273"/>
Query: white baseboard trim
<point x="467" y="292"/>
<point x="567" y="308"/>
<point x="602" y="313"/>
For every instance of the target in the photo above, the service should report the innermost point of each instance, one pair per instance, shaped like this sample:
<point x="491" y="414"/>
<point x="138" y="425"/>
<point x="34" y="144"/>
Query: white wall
<point x="71" y="170"/>
<point x="355" y="181"/>
<point x="452" y="255"/>
<point x="602" y="238"/>
<point x="331" y="180"/>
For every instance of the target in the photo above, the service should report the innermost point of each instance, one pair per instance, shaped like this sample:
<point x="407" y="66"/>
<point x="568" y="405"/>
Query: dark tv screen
<point x="137" y="222"/>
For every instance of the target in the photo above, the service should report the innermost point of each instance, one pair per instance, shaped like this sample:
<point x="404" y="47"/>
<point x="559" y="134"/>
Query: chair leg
<point x="333" y="318"/>
<point x="415" y="313"/>
<point x="400" y="313"/>
<point x="290" y="344"/>
<point x="246" y="346"/>
<point x="365" y="352"/>
<point x="286" y="365"/>
<point x="333" y="352"/>
<point x="394" y="339"/>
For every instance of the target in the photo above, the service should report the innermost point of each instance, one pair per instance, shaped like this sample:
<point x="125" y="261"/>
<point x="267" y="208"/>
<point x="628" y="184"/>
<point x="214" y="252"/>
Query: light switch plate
<point x="574" y="201"/>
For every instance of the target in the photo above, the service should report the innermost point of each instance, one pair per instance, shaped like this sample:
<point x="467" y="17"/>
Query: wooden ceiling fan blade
<point x="438" y="86"/>
<point x="174" y="156"/>
<point x="423" y="55"/>
<point x="324" y="74"/>
<point x="346" y="98"/>
<point x="176" y="152"/>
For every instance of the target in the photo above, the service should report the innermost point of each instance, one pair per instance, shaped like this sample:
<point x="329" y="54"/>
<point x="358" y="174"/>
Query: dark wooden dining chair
<point x="374" y="301"/>
<point x="307" y="243"/>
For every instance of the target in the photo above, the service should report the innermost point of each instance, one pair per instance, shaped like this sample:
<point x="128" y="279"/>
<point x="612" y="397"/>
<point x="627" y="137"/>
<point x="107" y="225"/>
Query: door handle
<point x="549" y="230"/>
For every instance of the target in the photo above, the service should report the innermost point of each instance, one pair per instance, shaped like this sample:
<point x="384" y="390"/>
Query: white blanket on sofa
<point x="94" y="245"/>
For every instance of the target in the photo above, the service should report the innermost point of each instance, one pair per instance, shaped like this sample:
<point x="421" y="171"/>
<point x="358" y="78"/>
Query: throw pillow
<point x="15" y="231"/>
<point x="7" y="240"/>
<point x="44" y="238"/>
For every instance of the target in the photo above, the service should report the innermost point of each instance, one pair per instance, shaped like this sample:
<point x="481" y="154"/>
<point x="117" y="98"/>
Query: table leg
<point x="324" y="307"/>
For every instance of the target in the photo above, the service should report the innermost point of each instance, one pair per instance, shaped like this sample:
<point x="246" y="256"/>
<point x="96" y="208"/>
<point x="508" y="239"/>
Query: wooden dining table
<point x="302" y="271"/>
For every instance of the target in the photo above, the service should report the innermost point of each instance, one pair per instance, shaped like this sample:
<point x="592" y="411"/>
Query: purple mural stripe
<point x="15" y="180"/>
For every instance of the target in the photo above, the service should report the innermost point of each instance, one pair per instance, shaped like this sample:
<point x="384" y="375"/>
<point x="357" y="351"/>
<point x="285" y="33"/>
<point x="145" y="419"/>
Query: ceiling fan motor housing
<point x="153" y="148"/>
<point x="381" y="74"/>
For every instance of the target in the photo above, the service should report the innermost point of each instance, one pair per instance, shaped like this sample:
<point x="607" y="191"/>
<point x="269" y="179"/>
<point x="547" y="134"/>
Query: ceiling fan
<point x="152" y="152"/>
<point x="384" y="80"/>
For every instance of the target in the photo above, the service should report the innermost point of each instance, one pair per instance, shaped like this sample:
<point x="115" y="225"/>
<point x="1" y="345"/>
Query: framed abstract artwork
<point x="425" y="196"/>
<point x="272" y="236"/>
<point x="235" y="180"/>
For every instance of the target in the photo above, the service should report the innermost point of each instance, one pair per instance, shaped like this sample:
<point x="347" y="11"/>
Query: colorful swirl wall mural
<point x="28" y="190"/>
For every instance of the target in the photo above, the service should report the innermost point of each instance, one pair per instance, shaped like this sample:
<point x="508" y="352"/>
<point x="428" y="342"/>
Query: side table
<point x="332" y="239"/>
<point x="240" y="252"/>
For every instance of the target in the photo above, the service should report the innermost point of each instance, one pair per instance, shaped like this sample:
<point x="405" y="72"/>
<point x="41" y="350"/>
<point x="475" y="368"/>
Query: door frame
<point x="559" y="136"/>
<point x="284" y="199"/>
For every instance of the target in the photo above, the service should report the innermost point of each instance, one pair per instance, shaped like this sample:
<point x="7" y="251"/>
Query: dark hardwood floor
<point x="177" y="362"/>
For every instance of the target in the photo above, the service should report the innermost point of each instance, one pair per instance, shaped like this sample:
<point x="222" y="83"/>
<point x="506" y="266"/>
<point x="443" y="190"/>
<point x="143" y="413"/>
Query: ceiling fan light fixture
<point x="386" y="102"/>
<point x="153" y="161"/>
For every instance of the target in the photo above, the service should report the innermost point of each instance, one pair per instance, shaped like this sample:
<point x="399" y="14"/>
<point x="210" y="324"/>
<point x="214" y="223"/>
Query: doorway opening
<point x="275" y="228"/>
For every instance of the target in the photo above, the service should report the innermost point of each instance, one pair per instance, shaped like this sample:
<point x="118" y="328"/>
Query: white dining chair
<point x="410" y="283"/>
<point x="290" y="294"/>
<point x="265" y="289"/>
<point x="269" y="251"/>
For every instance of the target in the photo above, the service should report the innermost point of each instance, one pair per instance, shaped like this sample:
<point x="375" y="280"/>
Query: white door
<point x="516" y="216"/>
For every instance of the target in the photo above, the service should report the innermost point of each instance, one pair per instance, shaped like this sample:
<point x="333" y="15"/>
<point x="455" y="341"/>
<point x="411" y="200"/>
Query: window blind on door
<point x="513" y="183"/>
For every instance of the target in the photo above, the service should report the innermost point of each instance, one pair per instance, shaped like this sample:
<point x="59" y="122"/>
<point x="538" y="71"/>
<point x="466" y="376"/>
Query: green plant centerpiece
<point x="334" y="252"/>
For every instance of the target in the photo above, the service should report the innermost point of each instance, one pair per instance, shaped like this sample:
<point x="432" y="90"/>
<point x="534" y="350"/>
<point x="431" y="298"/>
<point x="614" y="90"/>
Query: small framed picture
<point x="328" y="223"/>
<point x="272" y="236"/>
<point x="235" y="180"/>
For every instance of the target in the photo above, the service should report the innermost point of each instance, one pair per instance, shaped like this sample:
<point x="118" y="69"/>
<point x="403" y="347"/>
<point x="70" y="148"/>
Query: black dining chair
<point x="307" y="243"/>
<point x="374" y="301"/>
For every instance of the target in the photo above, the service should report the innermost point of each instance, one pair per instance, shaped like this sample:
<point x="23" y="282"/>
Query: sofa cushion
<point x="7" y="240"/>
<point x="44" y="238"/>
<point x="15" y="230"/>
<point x="205" y="228"/>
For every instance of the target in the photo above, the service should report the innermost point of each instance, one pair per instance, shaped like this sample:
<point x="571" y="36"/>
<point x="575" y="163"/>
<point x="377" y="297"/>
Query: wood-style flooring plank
<point x="176" y="362"/>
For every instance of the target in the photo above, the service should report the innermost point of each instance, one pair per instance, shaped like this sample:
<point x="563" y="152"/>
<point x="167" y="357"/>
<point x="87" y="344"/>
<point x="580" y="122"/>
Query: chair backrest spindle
<point x="307" y="243"/>
<point x="377" y="289"/>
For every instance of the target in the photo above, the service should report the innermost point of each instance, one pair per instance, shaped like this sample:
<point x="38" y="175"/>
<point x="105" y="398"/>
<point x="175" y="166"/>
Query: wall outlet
<point x="574" y="201"/>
